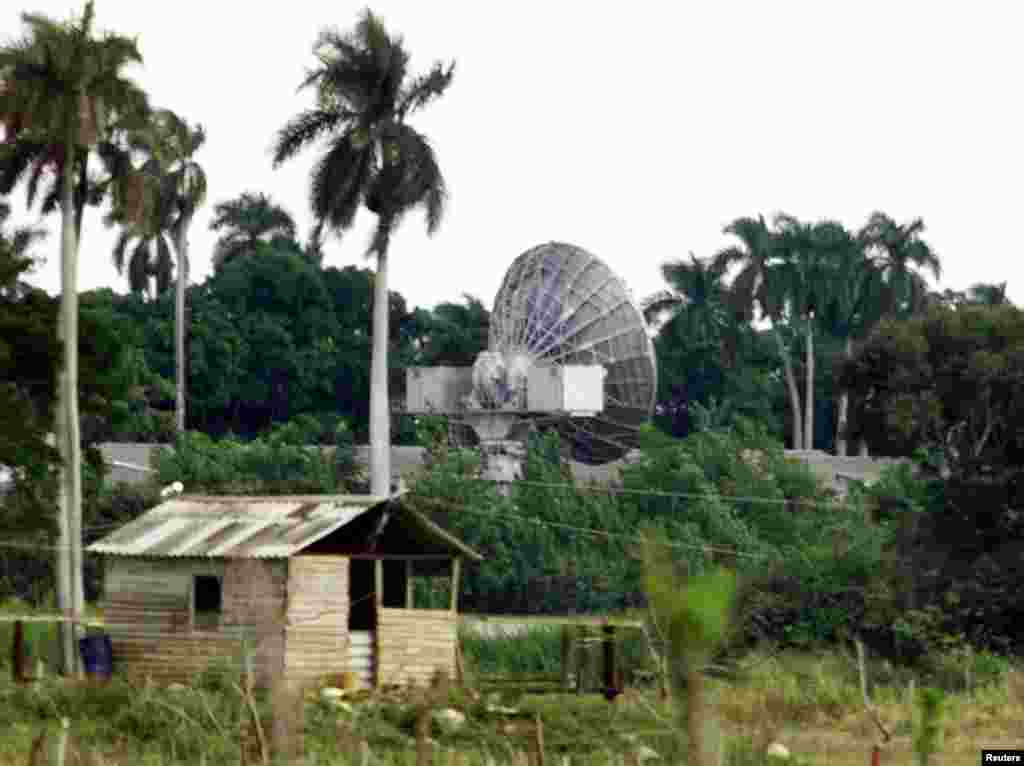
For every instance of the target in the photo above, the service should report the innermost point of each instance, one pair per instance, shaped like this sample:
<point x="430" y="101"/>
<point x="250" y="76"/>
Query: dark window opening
<point x="208" y="601"/>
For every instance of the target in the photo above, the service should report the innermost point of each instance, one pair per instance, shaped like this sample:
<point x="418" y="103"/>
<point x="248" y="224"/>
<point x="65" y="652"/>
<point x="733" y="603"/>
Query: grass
<point x="809" y="701"/>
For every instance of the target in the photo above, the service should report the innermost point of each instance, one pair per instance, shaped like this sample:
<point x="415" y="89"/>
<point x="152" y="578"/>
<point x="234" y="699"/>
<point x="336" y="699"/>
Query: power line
<point x="829" y="505"/>
<point x="598" y="533"/>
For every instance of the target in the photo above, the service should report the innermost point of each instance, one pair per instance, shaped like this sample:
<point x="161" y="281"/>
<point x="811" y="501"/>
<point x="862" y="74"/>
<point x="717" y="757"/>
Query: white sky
<point x="635" y="131"/>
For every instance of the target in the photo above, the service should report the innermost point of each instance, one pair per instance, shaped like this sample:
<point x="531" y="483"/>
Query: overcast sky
<point x="635" y="130"/>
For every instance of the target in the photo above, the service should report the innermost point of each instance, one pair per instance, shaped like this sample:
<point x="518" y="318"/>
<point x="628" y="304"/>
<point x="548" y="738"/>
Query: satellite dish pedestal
<point x="502" y="457"/>
<point x="568" y="347"/>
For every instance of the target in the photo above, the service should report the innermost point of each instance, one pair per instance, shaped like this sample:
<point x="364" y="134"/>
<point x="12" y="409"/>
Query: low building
<point x="315" y="586"/>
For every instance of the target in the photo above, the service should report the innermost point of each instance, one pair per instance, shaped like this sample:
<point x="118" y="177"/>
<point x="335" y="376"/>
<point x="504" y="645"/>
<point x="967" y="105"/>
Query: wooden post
<point x="456" y="567"/>
<point x="18" y="660"/>
<point x="537" y="743"/>
<point x="566" y="657"/>
<point x="611" y="690"/>
<point x="424" y="756"/>
<point x="582" y="655"/>
<point x="408" y="584"/>
<point x="378" y="577"/>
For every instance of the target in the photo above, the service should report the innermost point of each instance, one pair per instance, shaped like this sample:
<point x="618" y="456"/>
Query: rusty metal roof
<point x="233" y="526"/>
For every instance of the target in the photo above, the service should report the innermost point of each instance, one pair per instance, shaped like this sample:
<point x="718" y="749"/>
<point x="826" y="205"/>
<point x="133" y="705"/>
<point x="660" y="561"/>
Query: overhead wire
<point x="597" y="533"/>
<point x="614" y="490"/>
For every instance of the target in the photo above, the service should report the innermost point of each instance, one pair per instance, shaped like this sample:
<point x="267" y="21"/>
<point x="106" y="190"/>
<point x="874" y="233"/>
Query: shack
<point x="310" y="587"/>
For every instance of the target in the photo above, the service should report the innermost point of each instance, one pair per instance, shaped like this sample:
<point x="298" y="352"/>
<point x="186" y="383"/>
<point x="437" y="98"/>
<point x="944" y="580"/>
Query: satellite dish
<point x="560" y="305"/>
<point x="568" y="349"/>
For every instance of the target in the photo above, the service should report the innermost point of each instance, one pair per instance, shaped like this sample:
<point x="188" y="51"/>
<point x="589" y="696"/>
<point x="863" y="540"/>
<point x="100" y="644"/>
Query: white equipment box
<point x="575" y="388"/>
<point x="437" y="389"/>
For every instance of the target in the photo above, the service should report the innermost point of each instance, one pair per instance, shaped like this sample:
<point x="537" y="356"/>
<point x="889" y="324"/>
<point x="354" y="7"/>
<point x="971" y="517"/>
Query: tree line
<point x="785" y="302"/>
<point x="74" y="122"/>
<point x="273" y="335"/>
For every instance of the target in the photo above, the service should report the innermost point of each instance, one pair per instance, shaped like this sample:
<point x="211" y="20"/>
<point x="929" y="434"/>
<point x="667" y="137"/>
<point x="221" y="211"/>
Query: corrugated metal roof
<point x="230" y="526"/>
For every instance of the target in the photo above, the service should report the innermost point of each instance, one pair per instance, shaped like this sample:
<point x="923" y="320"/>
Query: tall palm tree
<point x="902" y="257"/>
<point x="697" y="296"/>
<point x="373" y="157"/>
<point x="150" y="259"/>
<point x="848" y="308"/>
<point x="62" y="89"/>
<point x="248" y="220"/>
<point x="183" y="181"/>
<point x="760" y="284"/>
<point x="805" y="275"/>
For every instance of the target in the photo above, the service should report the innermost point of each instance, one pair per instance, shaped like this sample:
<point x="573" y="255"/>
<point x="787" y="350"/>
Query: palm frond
<point x="17" y="159"/>
<point x="305" y="128"/>
<point x="425" y="88"/>
<point x="138" y="267"/>
<point x="338" y="182"/>
<point x="163" y="267"/>
<point x="120" y="246"/>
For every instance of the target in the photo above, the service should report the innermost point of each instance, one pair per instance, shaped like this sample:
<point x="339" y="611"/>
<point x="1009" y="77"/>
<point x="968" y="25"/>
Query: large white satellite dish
<point x="568" y="349"/>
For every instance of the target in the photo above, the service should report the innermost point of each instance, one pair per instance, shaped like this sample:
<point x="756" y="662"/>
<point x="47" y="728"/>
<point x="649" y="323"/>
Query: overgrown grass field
<point x="809" y="701"/>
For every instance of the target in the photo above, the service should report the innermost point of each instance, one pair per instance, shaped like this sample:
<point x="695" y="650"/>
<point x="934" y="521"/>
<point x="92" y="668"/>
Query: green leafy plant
<point x="696" y="616"/>
<point x="928" y="728"/>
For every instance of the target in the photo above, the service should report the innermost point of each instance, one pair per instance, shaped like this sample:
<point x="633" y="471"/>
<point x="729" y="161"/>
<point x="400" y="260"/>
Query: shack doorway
<point x="362" y="621"/>
<point x="362" y="613"/>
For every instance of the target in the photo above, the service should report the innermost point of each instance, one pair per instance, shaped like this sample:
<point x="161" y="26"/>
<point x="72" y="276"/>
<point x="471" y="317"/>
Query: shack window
<point x="207" y="601"/>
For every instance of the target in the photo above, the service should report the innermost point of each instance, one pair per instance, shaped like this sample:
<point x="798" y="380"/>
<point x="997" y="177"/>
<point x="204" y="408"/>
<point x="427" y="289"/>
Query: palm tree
<point x="373" y="157"/>
<point x="698" y="297"/>
<point x="805" y="275"/>
<point x="150" y="259"/>
<point x="760" y="284"/>
<point x="183" y="180"/>
<point x="61" y="90"/>
<point x="848" y="310"/>
<point x="901" y="256"/>
<point x="248" y="220"/>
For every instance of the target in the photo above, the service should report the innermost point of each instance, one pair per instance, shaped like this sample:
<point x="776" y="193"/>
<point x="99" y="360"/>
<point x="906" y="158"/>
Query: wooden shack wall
<point x="316" y="636"/>
<point x="412" y="644"/>
<point x="146" y="611"/>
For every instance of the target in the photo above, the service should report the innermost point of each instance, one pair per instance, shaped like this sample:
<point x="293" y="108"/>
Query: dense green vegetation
<point x="795" y="332"/>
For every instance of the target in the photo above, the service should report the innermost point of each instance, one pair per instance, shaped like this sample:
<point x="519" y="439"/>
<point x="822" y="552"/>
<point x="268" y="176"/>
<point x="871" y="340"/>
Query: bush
<point x="286" y="460"/>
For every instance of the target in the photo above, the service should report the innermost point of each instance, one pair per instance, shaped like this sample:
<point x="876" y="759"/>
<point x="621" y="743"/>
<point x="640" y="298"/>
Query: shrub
<point x="286" y="460"/>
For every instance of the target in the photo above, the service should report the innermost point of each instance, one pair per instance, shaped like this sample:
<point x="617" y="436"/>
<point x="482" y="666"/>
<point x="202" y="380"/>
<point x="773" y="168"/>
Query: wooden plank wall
<point x="316" y="635"/>
<point x="412" y="644"/>
<point x="146" y="612"/>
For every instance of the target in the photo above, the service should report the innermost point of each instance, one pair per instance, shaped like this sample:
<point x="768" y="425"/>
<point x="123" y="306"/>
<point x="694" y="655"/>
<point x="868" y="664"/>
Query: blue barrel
<point x="97" y="655"/>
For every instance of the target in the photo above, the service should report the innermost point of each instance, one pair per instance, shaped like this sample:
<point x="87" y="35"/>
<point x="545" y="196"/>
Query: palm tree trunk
<point x="70" y="593"/>
<point x="380" y="418"/>
<point x="181" y="245"/>
<point x="809" y="393"/>
<point x="843" y="406"/>
<point x="794" y="392"/>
